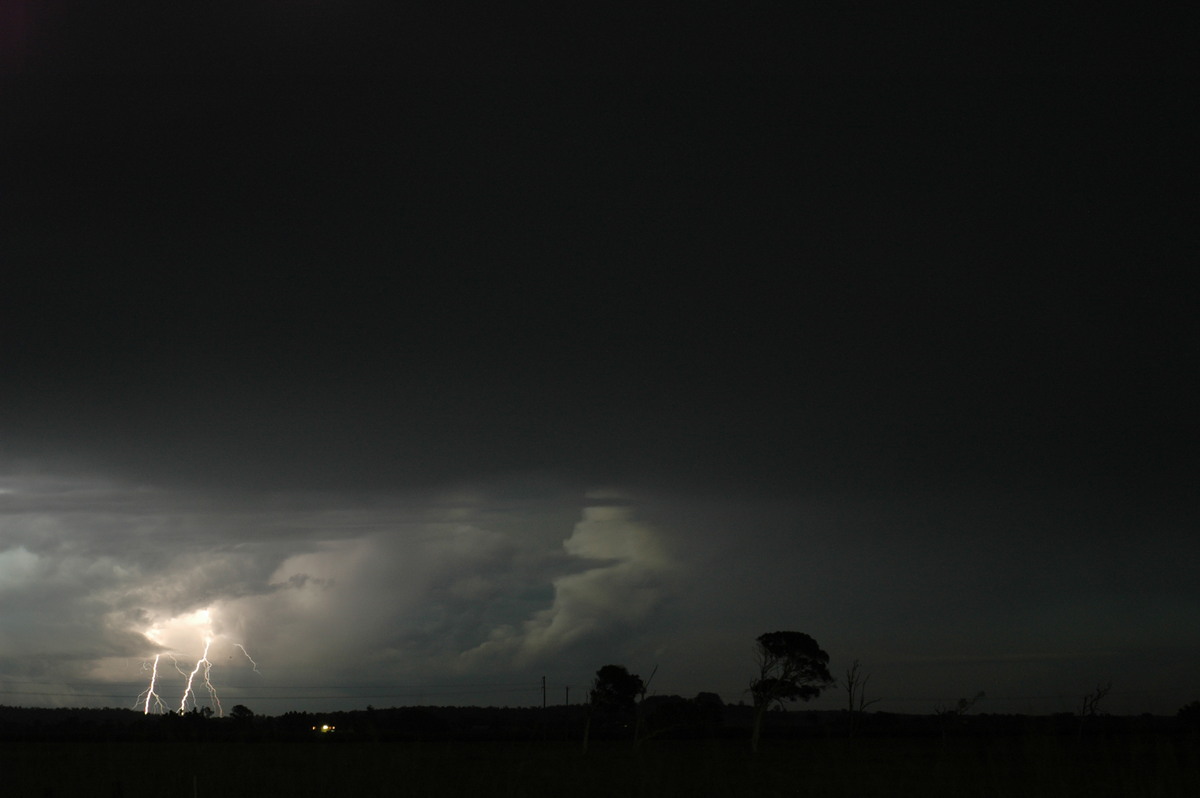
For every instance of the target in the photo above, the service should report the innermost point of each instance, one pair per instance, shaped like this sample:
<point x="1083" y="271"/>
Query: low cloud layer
<point x="328" y="596"/>
<point x="471" y="595"/>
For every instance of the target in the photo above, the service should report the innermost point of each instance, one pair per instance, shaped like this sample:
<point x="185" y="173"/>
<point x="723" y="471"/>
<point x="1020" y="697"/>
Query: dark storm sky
<point x="447" y="351"/>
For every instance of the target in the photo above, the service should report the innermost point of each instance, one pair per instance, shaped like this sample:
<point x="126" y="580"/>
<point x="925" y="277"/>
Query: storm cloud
<point x="399" y="358"/>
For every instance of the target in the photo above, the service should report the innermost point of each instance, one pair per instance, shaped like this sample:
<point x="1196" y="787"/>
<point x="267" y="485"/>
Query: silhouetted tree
<point x="953" y="716"/>
<point x="241" y="713"/>
<point x="791" y="667"/>
<point x="612" y="698"/>
<point x="962" y="707"/>
<point x="856" y="685"/>
<point x="710" y="708"/>
<point x="1189" y="715"/>
<point x="638" y="711"/>
<point x="1089" y="706"/>
<point x="615" y="690"/>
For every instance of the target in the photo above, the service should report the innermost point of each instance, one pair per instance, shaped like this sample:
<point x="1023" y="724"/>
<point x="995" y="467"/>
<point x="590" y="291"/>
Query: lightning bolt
<point x="151" y="698"/>
<point x="200" y="674"/>
<point x="203" y="665"/>
<point x="253" y="664"/>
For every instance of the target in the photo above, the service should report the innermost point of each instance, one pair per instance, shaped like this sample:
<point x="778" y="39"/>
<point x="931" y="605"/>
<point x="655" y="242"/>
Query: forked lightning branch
<point x="195" y="680"/>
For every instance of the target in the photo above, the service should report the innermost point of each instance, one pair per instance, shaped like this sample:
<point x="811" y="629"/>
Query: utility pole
<point x="543" y="692"/>
<point x="567" y="695"/>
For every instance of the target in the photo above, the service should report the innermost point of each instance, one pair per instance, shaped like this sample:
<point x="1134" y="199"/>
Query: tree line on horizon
<point x="790" y="666"/>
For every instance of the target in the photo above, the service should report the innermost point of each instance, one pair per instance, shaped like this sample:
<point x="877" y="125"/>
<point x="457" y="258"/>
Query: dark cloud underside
<point x="475" y="350"/>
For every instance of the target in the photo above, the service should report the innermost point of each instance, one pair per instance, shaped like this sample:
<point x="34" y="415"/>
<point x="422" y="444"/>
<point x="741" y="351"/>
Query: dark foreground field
<point x="1131" y="766"/>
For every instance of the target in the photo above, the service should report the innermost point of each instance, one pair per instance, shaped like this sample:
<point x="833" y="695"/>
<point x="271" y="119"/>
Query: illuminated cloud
<point x="626" y="575"/>
<point x="348" y="599"/>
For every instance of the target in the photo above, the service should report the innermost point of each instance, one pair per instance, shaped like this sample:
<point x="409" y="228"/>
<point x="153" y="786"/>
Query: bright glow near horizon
<point x="178" y="635"/>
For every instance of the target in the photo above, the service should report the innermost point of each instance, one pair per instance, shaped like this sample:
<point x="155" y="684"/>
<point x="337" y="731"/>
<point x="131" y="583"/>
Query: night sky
<point x="424" y="354"/>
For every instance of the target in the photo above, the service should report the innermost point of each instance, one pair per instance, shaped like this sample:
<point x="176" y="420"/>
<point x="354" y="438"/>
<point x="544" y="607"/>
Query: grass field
<point x="1132" y="766"/>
